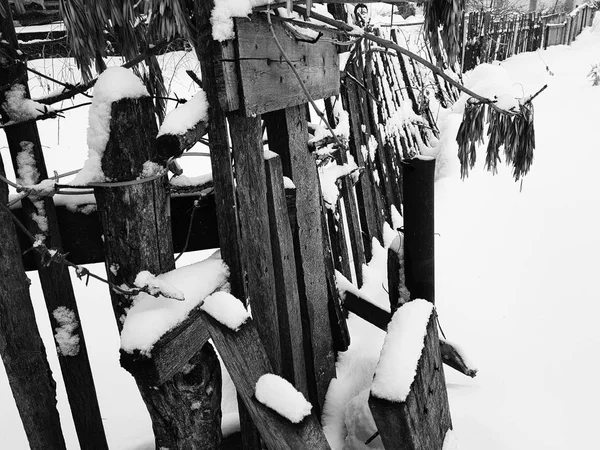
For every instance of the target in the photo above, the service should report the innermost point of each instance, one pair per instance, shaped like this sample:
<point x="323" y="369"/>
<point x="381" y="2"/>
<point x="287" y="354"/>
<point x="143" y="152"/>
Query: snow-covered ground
<point x="515" y="281"/>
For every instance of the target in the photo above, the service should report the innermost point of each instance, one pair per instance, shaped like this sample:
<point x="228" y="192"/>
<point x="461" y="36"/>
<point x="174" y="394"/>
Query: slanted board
<point x="246" y="361"/>
<point x="267" y="82"/>
<point x="421" y="422"/>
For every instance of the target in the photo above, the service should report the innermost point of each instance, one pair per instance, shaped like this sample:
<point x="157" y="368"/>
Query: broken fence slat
<point x="246" y="361"/>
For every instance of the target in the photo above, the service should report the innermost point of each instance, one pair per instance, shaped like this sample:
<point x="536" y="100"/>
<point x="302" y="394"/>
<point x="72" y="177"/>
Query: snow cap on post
<point x="401" y="351"/>
<point x="114" y="84"/>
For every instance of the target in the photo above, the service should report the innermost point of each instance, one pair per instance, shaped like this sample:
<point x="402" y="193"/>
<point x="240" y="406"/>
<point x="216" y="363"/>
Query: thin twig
<point x="7" y="181"/>
<point x="80" y="89"/>
<point x="49" y="78"/>
<point x="302" y="85"/>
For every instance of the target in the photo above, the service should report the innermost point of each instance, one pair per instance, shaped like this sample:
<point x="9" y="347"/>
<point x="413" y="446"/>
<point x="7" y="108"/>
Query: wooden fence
<point x="488" y="37"/>
<point x="282" y="246"/>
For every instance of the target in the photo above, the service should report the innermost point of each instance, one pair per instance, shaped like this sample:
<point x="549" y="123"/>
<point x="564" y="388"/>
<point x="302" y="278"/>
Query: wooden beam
<point x="422" y="420"/>
<point x="267" y="82"/>
<point x="248" y="153"/>
<point x="21" y="346"/>
<point x="246" y="361"/>
<point x="286" y="282"/>
<point x="81" y="234"/>
<point x="55" y="280"/>
<point x="288" y="135"/>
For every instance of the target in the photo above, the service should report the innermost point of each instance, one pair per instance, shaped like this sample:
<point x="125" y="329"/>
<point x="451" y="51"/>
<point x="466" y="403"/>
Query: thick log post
<point x="21" y="346"/>
<point x="419" y="228"/>
<point x="40" y="219"/>
<point x="185" y="410"/>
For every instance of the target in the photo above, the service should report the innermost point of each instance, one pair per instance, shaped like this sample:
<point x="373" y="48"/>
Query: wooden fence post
<point x="137" y="236"/>
<point x="21" y="346"/>
<point x="419" y="228"/>
<point x="421" y="421"/>
<point x="209" y="53"/>
<point x="288" y="134"/>
<point x="54" y="278"/>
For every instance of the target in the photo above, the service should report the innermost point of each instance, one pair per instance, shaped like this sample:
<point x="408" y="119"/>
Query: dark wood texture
<point x="421" y="422"/>
<point x="337" y="317"/>
<point x="267" y="82"/>
<point x="419" y="228"/>
<point x="137" y="236"/>
<point x="173" y="145"/>
<point x="286" y="281"/>
<point x="215" y="77"/>
<point x="288" y="135"/>
<point x="21" y="346"/>
<point x="81" y="233"/>
<point x="54" y="278"/>
<point x="248" y="153"/>
<point x="246" y="361"/>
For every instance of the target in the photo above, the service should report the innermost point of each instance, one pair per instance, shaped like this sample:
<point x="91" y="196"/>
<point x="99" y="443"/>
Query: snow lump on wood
<point x="278" y="394"/>
<point x="226" y="309"/>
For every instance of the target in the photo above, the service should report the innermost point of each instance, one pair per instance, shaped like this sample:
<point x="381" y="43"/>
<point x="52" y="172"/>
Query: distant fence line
<point x="488" y="38"/>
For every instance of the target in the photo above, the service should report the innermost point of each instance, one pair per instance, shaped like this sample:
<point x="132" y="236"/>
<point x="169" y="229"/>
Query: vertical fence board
<point x="248" y="153"/>
<point x="21" y="346"/>
<point x="286" y="283"/>
<point x="54" y="278"/>
<point x="288" y="135"/>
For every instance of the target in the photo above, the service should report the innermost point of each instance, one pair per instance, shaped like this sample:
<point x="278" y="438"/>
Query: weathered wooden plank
<point x="81" y="234"/>
<point x="419" y="228"/>
<point x="288" y="134"/>
<point x="246" y="361"/>
<point x="214" y="77"/>
<point x="421" y="422"/>
<point x="21" y="346"/>
<point x="339" y="327"/>
<point x="55" y="280"/>
<point x="286" y="281"/>
<point x="248" y="153"/>
<point x="136" y="226"/>
<point x="267" y="82"/>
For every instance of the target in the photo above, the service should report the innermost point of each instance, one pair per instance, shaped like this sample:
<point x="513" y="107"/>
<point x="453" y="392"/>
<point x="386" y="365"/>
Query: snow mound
<point x="226" y="309"/>
<point x="278" y="394"/>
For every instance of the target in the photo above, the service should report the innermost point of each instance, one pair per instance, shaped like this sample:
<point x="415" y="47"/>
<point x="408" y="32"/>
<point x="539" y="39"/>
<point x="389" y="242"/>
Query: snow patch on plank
<point x="268" y="154"/>
<point x="150" y="317"/>
<point x="288" y="183"/>
<point x="279" y="395"/>
<point x="328" y="176"/>
<point x="224" y="12"/>
<point x="114" y="84"/>
<point x="19" y="108"/>
<point x="156" y="287"/>
<point x="67" y="341"/>
<point x="401" y="351"/>
<point x="226" y="309"/>
<point x="186" y="116"/>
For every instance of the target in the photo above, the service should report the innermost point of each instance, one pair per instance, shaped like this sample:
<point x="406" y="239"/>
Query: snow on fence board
<point x="419" y="418"/>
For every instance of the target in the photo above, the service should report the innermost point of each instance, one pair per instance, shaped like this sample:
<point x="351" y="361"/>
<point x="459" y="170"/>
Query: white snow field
<point x="516" y="283"/>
